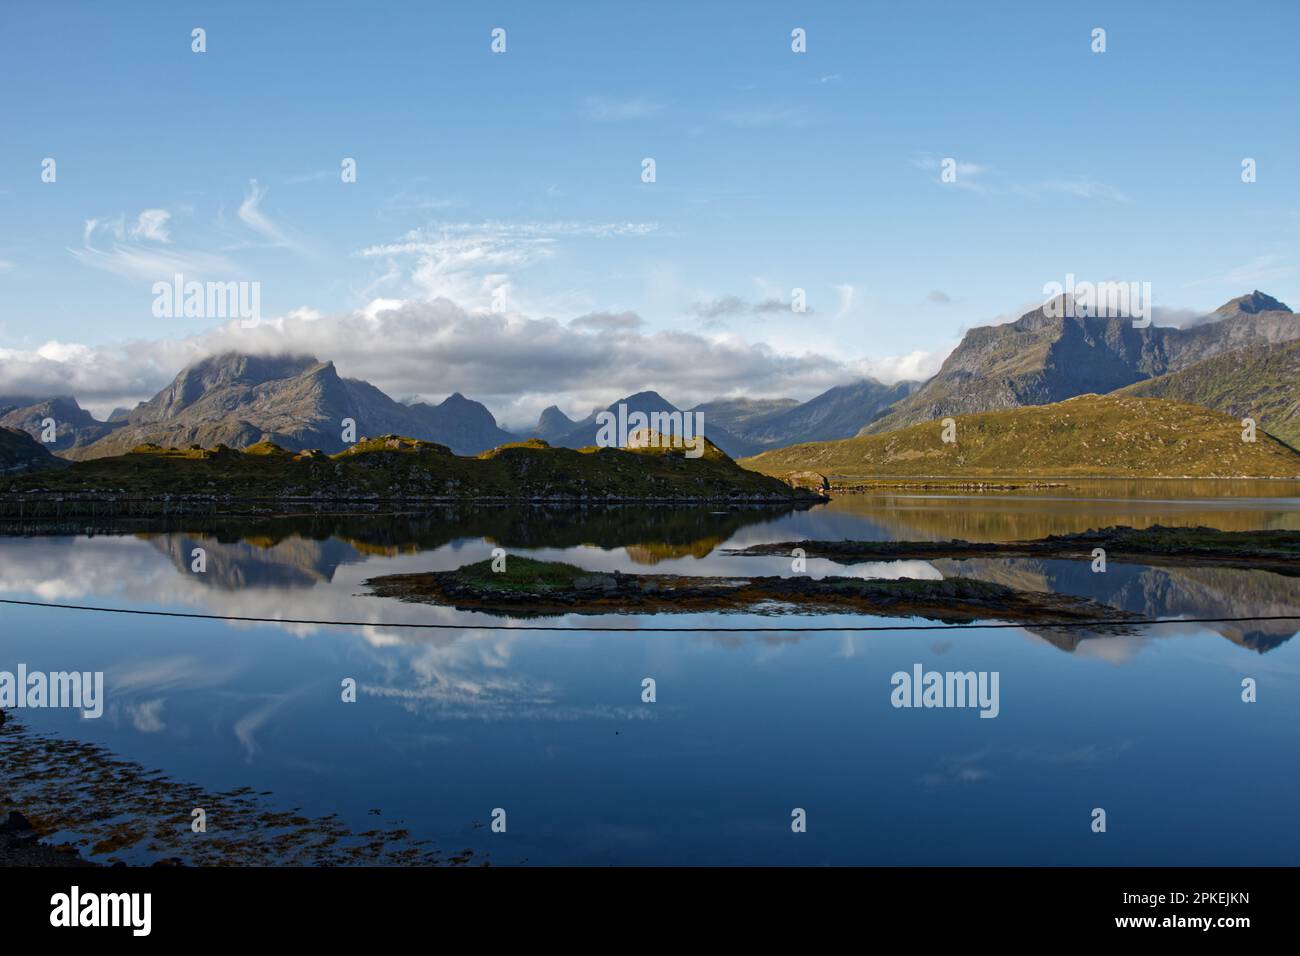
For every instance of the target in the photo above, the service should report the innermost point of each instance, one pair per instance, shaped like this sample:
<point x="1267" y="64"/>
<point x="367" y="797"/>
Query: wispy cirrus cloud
<point x="316" y="176"/>
<point x="716" y="311"/>
<point x="252" y="215"/>
<point x="1080" y="187"/>
<point x="1265" y="268"/>
<point x="773" y="114"/>
<point x="847" y="293"/>
<point x="608" y="109"/>
<point x="152" y="224"/>
<point x="418" y="202"/>
<point x="985" y="180"/>
<point x="473" y="263"/>
<point x="143" y="249"/>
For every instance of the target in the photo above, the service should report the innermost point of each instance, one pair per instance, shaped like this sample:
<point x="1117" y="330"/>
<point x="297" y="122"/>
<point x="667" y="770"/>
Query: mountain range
<point x="299" y="402"/>
<point x="1241" y="359"/>
<point x="585" y="432"/>
<point x="839" y="412"/>
<point x="74" y="426"/>
<point x="296" y="402"/>
<point x="1039" y="359"/>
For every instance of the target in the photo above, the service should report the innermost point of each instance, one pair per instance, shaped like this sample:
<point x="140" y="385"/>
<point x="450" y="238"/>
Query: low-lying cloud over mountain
<point x="518" y="367"/>
<point x="515" y="364"/>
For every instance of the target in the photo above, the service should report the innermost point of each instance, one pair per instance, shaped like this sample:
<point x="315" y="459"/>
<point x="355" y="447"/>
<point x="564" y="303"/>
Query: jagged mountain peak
<point x="553" y="413"/>
<point x="553" y="424"/>
<point x="1252" y="303"/>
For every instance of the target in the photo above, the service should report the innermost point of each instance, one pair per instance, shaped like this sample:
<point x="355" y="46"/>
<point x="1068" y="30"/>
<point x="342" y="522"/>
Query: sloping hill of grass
<point x="1090" y="435"/>
<point x="1260" y="382"/>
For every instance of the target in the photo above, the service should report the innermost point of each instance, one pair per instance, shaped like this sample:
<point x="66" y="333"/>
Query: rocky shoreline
<point x="53" y="510"/>
<point x="54" y="784"/>
<point x="956" y="484"/>
<point x="21" y="845"/>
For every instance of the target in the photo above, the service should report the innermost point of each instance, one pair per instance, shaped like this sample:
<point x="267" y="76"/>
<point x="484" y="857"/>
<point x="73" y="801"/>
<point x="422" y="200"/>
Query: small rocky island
<point x="529" y="588"/>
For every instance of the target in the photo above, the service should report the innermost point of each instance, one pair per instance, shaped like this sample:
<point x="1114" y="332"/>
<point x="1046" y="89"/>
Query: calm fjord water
<point x="747" y="726"/>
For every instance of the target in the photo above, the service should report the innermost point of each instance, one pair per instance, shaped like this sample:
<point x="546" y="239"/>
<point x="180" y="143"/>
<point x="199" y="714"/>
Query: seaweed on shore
<point x="111" y="809"/>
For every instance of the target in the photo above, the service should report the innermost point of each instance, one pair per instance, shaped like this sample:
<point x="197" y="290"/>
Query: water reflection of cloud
<point x="188" y="673"/>
<point x="453" y="681"/>
<point x="247" y="726"/>
<point x="1086" y="756"/>
<point x="146" y="716"/>
<point x="957" y="769"/>
<point x="735" y="640"/>
<point x="973" y="767"/>
<point x="457" y="700"/>
<point x="1112" y="650"/>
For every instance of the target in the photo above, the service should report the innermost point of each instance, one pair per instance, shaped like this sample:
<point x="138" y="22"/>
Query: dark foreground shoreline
<point x="54" y="784"/>
<point x="21" y="845"/>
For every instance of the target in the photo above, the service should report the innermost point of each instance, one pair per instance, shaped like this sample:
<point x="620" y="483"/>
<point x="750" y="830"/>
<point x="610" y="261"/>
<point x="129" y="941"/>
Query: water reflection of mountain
<point x="301" y="551"/>
<point x="258" y="562"/>
<point x="1156" y="592"/>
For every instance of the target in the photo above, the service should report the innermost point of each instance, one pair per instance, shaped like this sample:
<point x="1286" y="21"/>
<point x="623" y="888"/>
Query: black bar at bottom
<point x="304" y="905"/>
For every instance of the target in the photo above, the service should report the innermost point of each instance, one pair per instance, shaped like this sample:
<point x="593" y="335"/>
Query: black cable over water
<point x="1054" y="625"/>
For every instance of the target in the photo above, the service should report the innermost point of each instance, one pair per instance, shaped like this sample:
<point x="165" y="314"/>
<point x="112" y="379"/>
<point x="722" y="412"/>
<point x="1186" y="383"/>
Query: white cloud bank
<point x="513" y="363"/>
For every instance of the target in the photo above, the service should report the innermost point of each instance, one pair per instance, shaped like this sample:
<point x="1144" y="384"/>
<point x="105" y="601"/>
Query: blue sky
<point x="520" y="172"/>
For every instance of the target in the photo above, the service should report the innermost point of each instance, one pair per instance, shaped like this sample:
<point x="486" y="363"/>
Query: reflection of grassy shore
<point x="529" y="588"/>
<point x="1008" y="517"/>
<point x="1277" y="551"/>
